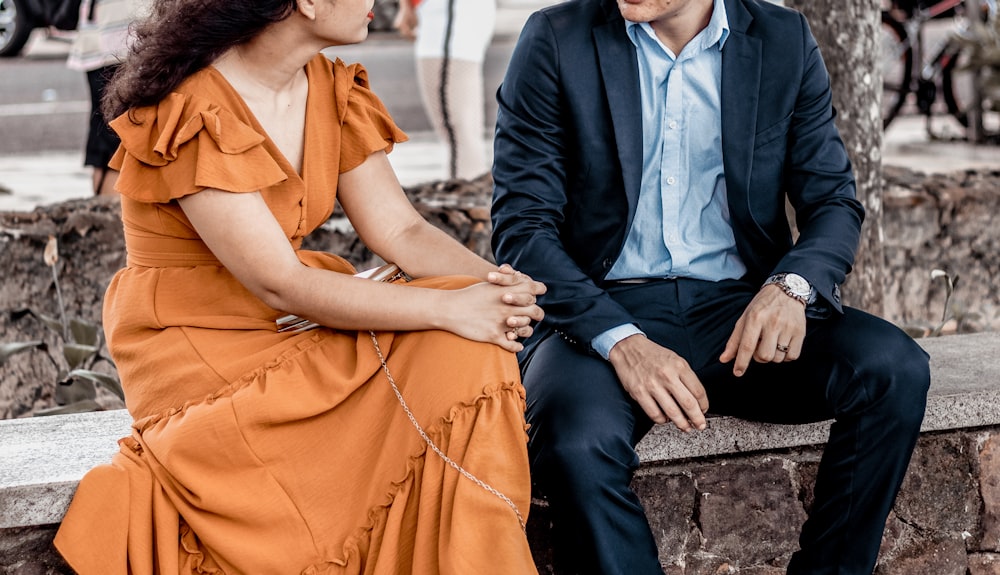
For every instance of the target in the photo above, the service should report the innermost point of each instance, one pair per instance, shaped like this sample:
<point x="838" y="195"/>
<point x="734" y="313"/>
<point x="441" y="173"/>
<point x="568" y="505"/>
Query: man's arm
<point x="820" y="186"/>
<point x="531" y="159"/>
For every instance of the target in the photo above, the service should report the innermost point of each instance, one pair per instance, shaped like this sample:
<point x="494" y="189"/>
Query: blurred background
<point x="44" y="105"/>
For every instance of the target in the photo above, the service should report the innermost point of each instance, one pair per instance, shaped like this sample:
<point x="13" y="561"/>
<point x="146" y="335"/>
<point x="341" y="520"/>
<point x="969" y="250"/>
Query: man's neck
<point x="676" y="29"/>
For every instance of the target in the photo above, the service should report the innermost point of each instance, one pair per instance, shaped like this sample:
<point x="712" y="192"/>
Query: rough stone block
<point x="749" y="510"/>
<point x="762" y="570"/>
<point x="932" y="555"/>
<point x="707" y="564"/>
<point x="539" y="531"/>
<point x="669" y="501"/>
<point x="989" y="487"/>
<point x="893" y="536"/>
<point x="29" y="551"/>
<point x="984" y="564"/>
<point x="939" y="491"/>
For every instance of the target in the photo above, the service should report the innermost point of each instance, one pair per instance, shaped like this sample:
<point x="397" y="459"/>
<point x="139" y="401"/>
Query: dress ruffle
<point x="358" y="547"/>
<point x="364" y="118"/>
<point x="142" y="511"/>
<point x="229" y="154"/>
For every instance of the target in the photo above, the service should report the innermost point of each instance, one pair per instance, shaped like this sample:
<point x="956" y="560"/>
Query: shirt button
<point x="671" y="180"/>
<point x="672" y="125"/>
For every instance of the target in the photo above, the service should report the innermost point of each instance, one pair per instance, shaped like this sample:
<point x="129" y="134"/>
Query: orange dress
<point x="259" y="452"/>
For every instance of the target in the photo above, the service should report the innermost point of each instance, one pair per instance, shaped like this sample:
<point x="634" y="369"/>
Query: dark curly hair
<point x="179" y="38"/>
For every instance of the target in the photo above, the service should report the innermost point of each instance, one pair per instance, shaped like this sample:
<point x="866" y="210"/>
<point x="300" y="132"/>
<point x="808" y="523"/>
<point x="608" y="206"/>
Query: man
<point x="643" y="155"/>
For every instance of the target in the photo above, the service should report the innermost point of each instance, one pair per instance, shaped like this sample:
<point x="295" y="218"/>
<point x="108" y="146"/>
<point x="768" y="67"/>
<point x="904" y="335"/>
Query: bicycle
<point x="906" y="70"/>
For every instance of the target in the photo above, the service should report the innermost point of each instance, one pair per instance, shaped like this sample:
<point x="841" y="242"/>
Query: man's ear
<point x="307" y="8"/>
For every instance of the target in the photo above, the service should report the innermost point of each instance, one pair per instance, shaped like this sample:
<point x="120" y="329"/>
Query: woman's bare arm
<point x="389" y="225"/>
<point x="243" y="234"/>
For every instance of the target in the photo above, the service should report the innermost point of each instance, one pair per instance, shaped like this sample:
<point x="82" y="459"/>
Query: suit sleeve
<point x="820" y="184"/>
<point x="531" y="158"/>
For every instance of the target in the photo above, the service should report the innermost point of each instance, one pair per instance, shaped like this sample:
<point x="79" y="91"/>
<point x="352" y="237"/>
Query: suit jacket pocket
<point x="772" y="132"/>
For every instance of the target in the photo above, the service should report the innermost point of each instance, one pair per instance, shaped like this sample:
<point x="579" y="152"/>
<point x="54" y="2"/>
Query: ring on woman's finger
<point x="782" y="348"/>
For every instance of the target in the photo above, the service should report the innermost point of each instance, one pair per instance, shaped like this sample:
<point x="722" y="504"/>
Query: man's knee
<point x="894" y="373"/>
<point x="906" y="369"/>
<point x="581" y="420"/>
<point x="584" y="461"/>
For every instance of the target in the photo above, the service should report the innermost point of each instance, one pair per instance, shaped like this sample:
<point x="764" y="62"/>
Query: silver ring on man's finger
<point x="782" y="348"/>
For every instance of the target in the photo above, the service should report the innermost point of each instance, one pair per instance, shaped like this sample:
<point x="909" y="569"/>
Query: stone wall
<point x="942" y="221"/>
<point x="723" y="515"/>
<point x="931" y="221"/>
<point x="741" y="514"/>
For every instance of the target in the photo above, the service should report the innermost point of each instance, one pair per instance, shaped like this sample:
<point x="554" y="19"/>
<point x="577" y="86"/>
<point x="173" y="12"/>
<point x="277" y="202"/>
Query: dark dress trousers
<point x="567" y="169"/>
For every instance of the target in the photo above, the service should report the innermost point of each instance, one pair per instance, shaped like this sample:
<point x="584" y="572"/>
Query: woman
<point x="452" y="37"/>
<point x="100" y="43"/>
<point x="261" y="451"/>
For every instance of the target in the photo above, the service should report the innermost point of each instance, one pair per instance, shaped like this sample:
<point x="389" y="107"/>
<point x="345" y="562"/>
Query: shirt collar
<point x="716" y="32"/>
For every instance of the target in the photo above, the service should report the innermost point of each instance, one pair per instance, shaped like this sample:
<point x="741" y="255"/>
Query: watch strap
<point x="780" y="281"/>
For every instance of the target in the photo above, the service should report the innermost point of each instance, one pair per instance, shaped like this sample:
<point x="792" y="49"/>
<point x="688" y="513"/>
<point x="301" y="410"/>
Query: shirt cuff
<point x="603" y="343"/>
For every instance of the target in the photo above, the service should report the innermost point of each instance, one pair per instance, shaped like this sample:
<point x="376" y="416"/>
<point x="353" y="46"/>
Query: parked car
<point x="17" y="19"/>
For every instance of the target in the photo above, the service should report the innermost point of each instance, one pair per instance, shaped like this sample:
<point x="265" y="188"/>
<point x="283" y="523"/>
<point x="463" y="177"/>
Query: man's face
<point x="656" y="10"/>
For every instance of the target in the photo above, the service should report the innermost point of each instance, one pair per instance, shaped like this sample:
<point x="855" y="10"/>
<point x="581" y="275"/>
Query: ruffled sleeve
<point x="185" y="144"/>
<point x="366" y="124"/>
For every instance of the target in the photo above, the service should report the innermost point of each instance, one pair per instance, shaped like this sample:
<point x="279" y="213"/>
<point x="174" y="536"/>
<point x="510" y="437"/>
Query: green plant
<point x="952" y="310"/>
<point x="77" y="382"/>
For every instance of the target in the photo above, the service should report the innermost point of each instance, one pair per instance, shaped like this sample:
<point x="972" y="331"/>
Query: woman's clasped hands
<point x="500" y="310"/>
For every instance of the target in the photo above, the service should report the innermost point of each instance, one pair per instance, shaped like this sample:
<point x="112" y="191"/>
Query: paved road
<point x="43" y="109"/>
<point x="44" y="105"/>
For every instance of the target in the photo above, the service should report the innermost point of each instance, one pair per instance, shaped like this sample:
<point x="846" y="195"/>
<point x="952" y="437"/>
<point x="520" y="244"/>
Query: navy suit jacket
<point x="568" y="156"/>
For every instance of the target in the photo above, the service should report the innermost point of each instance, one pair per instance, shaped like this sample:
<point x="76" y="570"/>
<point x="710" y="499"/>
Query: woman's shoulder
<point x="364" y="120"/>
<point x="201" y="135"/>
<point x="351" y="88"/>
<point x="209" y="85"/>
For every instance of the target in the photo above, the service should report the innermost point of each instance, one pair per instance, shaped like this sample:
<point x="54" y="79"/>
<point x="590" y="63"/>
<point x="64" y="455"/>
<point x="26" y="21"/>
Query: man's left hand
<point x="771" y="329"/>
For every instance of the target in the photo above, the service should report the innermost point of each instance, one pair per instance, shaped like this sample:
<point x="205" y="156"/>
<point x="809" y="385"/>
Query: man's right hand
<point x="661" y="382"/>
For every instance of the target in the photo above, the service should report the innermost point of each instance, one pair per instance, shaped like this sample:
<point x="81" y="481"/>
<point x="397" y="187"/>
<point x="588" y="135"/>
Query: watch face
<point x="797" y="284"/>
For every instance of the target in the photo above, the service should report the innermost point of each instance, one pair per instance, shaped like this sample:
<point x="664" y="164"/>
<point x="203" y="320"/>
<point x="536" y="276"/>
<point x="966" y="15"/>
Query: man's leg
<point x="584" y="427"/>
<point x="873" y="379"/>
<point x="583" y="431"/>
<point x="859" y="369"/>
<point x="856" y="368"/>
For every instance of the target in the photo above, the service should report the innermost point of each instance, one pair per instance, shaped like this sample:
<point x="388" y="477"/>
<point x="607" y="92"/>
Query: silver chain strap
<point x="430" y="443"/>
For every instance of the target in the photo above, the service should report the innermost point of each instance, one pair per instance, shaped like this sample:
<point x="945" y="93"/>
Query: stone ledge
<point x="43" y="459"/>
<point x="965" y="393"/>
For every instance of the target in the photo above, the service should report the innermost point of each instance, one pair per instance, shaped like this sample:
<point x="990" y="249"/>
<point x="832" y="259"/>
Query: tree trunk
<point x="848" y="35"/>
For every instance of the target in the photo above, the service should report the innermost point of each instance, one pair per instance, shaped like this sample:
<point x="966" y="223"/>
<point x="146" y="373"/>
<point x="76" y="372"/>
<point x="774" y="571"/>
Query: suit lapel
<point x="620" y="74"/>
<point x="741" y="77"/>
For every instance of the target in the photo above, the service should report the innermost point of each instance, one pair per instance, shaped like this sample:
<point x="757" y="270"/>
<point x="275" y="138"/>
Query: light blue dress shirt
<point x="682" y="224"/>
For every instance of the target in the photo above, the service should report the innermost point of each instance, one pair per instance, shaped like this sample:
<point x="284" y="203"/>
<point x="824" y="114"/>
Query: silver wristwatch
<point x="795" y="286"/>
